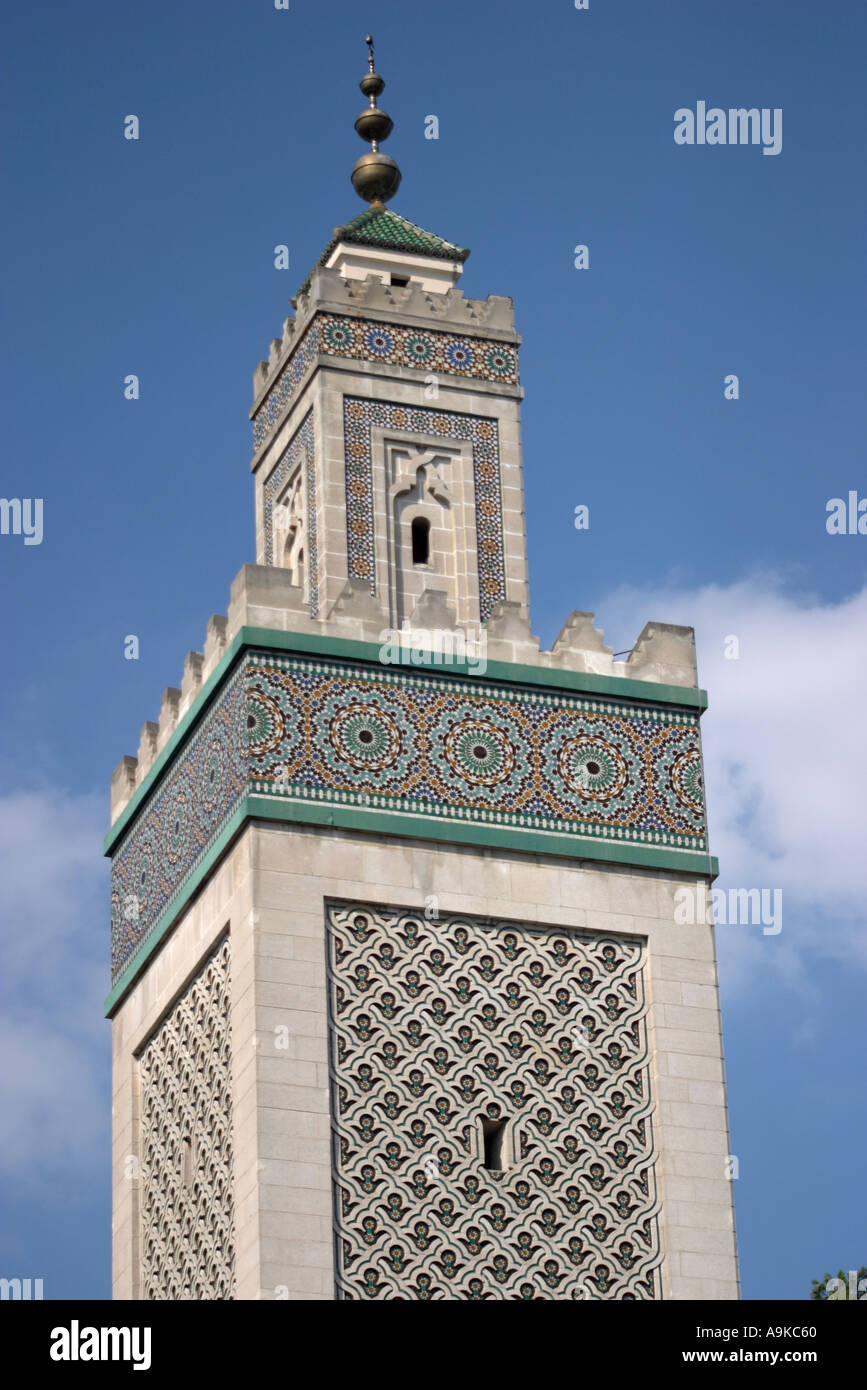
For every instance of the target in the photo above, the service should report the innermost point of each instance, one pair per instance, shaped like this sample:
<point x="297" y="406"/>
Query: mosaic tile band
<point x="360" y="417"/>
<point x="343" y="733"/>
<point x="438" y="1027"/>
<point x="368" y="340"/>
<point x="178" y="822"/>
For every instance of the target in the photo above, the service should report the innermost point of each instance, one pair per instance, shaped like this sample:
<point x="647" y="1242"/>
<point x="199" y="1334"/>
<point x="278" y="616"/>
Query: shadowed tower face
<point x="413" y="991"/>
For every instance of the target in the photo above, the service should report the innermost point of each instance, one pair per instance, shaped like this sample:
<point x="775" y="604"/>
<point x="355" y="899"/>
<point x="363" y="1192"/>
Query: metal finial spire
<point x="376" y="177"/>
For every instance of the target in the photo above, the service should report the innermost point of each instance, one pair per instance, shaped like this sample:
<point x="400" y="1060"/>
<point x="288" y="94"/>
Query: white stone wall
<point x="294" y="870"/>
<point x="270" y="890"/>
<point x="224" y="902"/>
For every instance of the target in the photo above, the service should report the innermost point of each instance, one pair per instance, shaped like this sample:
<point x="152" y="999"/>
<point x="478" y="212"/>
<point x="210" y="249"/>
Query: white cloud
<point x="784" y="749"/>
<point x="54" y="1092"/>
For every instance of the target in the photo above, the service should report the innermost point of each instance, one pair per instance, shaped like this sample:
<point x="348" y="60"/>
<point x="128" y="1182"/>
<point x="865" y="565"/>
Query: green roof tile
<point x="379" y="226"/>
<point x="382" y="227"/>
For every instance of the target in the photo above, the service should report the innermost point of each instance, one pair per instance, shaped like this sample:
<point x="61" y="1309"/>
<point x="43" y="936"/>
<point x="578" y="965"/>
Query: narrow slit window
<point x="187" y="1165"/>
<point x="420" y="541"/>
<point x="494" y="1138"/>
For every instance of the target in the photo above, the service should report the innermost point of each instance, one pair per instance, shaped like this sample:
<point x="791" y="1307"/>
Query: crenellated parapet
<point x="174" y="706"/>
<point x="266" y="610"/>
<point x="663" y="653"/>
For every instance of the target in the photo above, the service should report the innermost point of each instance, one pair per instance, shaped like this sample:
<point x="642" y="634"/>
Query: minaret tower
<point x="413" y="995"/>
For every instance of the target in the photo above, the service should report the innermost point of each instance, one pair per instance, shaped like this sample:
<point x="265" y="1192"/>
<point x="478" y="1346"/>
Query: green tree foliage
<point x="840" y="1288"/>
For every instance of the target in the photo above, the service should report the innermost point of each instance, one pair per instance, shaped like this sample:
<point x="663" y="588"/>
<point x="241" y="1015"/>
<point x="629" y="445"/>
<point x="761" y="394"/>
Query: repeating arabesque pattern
<point x="187" y="1232"/>
<point x="482" y="359"/>
<point x="423" y="745"/>
<point x="360" y="417"/>
<point x="438" y="1024"/>
<point x="370" y="340"/>
<point x="480" y="752"/>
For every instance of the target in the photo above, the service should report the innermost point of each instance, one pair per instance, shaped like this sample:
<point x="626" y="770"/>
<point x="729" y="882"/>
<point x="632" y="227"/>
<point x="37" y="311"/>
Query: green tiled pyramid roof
<point x="379" y="226"/>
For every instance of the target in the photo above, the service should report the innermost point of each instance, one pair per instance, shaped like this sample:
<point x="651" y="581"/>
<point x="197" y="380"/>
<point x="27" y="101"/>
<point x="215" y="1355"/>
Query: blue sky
<point x="156" y="258"/>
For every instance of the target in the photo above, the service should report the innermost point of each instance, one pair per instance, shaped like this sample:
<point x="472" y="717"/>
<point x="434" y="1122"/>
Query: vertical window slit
<point x="187" y="1161"/>
<point x="493" y="1138"/>
<point x="420" y="541"/>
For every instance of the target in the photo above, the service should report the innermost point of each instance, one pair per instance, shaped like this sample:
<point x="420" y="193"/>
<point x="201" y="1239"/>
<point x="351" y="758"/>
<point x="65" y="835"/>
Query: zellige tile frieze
<point x="349" y="734"/>
<point x="369" y="340"/>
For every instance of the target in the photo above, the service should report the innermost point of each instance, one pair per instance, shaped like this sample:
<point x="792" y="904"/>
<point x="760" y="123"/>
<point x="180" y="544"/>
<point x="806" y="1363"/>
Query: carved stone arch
<point x="419" y="528"/>
<point x="411" y="578"/>
<point x="290" y="526"/>
<point x="419" y="486"/>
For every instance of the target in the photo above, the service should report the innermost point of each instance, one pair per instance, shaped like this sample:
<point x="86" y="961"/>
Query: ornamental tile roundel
<point x="264" y="724"/>
<point x="593" y="767"/>
<point x="475" y="751"/>
<point x="443" y="1032"/>
<point x="480" y="753"/>
<point x="364" y="736"/>
<point x="212" y="763"/>
<point x="686" y="780"/>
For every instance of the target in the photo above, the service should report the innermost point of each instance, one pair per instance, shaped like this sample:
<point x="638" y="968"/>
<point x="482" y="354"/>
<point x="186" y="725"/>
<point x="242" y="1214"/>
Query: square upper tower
<point x="387" y="431"/>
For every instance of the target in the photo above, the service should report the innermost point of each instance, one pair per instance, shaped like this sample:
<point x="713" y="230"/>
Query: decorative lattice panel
<point x="438" y="1026"/>
<point x="187" y="1228"/>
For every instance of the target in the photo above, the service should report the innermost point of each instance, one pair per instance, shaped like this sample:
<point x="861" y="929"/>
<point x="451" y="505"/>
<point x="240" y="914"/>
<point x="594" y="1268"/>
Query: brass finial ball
<point x="374" y="124"/>
<point x="376" y="177"/>
<point x="372" y="84"/>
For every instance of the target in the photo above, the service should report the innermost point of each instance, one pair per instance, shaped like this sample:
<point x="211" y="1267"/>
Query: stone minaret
<point x="403" y="1004"/>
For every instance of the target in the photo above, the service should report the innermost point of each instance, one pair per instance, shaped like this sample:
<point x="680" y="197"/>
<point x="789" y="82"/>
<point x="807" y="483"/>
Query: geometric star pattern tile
<point x="370" y="340"/>
<point x="421" y="744"/>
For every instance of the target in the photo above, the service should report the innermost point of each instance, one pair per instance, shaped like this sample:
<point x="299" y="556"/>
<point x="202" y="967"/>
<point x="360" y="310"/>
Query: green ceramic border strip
<point x="312" y="644"/>
<point x="413" y="827"/>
